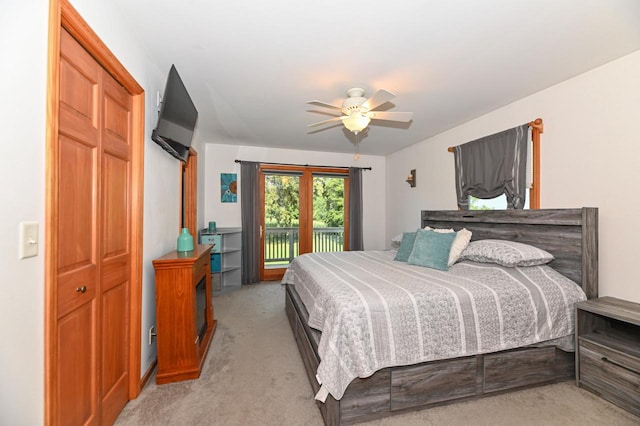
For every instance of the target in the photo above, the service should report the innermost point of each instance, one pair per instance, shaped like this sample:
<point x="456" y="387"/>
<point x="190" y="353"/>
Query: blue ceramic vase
<point x="185" y="240"/>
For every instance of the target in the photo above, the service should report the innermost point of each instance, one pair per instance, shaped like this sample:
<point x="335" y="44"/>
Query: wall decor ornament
<point x="411" y="179"/>
<point x="229" y="187"/>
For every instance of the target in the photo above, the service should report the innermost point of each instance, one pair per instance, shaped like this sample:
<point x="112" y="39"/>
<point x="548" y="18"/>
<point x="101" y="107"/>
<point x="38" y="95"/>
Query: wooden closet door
<point x="77" y="263"/>
<point x="114" y="249"/>
<point x="93" y="253"/>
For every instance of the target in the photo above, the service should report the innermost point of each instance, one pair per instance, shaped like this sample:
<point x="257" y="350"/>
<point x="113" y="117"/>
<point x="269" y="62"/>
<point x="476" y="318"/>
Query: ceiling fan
<point x="358" y="111"/>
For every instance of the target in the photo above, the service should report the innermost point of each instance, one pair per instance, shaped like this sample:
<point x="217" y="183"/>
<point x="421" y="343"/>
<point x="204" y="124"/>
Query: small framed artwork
<point x="229" y="187"/>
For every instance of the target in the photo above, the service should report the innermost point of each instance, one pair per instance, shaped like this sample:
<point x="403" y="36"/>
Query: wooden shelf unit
<point x="182" y="346"/>
<point x="608" y="350"/>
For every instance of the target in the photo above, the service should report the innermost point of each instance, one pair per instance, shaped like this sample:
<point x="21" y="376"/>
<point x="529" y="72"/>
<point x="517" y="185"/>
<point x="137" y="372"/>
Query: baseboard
<point x="147" y="375"/>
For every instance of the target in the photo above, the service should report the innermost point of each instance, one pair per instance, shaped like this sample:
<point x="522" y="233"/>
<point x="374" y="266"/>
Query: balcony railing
<point x="281" y="244"/>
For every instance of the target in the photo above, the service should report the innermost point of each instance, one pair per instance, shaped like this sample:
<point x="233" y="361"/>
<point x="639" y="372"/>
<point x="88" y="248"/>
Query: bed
<point x="570" y="235"/>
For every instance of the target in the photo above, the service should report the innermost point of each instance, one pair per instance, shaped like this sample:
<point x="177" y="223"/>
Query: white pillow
<point x="396" y="241"/>
<point x="463" y="237"/>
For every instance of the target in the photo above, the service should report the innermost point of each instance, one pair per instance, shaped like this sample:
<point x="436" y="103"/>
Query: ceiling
<point x="251" y="66"/>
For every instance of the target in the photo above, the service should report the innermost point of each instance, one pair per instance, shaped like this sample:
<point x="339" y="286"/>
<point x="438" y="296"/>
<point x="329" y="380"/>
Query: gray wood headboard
<point x="570" y="235"/>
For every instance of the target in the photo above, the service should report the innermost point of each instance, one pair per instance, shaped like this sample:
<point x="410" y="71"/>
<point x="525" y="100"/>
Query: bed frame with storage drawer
<point x="571" y="235"/>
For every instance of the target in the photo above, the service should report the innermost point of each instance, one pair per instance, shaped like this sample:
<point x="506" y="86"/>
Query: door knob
<point x="82" y="289"/>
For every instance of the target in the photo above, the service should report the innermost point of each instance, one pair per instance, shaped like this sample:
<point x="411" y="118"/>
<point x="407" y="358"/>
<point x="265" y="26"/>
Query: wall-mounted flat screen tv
<point x="177" y="119"/>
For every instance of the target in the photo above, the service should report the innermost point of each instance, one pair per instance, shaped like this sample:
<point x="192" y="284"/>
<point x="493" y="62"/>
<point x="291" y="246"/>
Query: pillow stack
<point x="433" y="248"/>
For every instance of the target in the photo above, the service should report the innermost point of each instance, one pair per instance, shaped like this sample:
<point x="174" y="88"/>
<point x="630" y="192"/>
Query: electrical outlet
<point x="152" y="334"/>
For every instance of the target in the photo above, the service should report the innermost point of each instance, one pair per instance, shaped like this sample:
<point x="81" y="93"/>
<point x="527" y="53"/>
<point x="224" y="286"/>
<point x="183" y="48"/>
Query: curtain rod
<point x="306" y="165"/>
<point x="535" y="124"/>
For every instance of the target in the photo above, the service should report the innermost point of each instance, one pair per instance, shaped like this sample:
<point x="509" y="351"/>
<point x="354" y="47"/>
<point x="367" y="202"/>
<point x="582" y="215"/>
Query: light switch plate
<point x="28" y="246"/>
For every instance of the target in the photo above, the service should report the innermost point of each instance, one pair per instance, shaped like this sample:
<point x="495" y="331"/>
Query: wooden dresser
<point x="184" y="313"/>
<point x="608" y="350"/>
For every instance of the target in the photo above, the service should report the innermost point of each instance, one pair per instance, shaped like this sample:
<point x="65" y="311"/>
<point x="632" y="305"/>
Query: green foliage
<point x="477" y="204"/>
<point x="282" y="208"/>
<point x="281" y="200"/>
<point x="328" y="202"/>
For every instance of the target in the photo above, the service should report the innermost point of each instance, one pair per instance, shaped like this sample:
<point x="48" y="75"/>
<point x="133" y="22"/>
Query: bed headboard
<point x="570" y="235"/>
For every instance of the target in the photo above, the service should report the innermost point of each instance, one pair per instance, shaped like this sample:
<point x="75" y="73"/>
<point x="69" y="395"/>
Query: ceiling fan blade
<point x="391" y="116"/>
<point x="378" y="98"/>
<point x="324" y="104"/>
<point x="327" y="121"/>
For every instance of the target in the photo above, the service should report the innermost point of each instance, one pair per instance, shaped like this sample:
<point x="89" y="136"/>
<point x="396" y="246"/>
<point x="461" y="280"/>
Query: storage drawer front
<point x="616" y="384"/>
<point x="433" y="382"/>
<point x="309" y="358"/>
<point x="290" y="310"/>
<point x="365" y="399"/>
<point x="216" y="262"/>
<point x="214" y="240"/>
<point x="514" y="369"/>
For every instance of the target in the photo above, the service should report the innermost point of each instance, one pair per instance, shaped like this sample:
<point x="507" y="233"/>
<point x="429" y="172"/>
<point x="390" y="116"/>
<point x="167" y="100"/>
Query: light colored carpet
<point x="254" y="375"/>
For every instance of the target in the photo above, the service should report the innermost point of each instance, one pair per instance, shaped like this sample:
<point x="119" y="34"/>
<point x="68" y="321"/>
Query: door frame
<point x="63" y="15"/>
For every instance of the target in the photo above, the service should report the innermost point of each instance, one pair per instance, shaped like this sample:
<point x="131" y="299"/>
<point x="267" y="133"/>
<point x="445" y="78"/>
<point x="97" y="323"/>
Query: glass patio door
<point x="303" y="210"/>
<point x="280" y="221"/>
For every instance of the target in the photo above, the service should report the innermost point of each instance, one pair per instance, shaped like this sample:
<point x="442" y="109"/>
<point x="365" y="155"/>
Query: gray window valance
<point x="491" y="166"/>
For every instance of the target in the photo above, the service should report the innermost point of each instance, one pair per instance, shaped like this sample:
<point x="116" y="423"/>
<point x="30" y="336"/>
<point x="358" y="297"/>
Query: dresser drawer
<point x="611" y="375"/>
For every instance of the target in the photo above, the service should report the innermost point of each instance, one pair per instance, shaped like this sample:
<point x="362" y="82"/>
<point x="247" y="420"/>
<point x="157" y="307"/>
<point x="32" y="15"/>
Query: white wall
<point x="23" y="47"/>
<point x="220" y="159"/>
<point x="589" y="158"/>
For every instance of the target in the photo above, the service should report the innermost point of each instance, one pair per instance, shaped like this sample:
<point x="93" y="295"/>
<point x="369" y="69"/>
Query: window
<point x="472" y="159"/>
<point x="498" y="203"/>
<point x="304" y="210"/>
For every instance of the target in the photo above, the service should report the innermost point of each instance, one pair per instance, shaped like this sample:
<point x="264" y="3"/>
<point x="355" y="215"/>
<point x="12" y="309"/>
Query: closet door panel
<point x="115" y="238"/>
<point x="76" y="367"/>
<point x="77" y="277"/>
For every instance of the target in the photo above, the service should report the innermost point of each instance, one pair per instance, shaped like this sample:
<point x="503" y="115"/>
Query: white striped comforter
<point x="375" y="312"/>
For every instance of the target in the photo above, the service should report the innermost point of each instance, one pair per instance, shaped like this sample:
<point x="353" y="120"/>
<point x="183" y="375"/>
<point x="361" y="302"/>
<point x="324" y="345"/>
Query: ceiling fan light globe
<point x="356" y="123"/>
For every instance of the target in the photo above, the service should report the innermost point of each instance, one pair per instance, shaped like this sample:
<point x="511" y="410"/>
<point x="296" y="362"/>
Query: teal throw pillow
<point x="431" y="249"/>
<point x="406" y="245"/>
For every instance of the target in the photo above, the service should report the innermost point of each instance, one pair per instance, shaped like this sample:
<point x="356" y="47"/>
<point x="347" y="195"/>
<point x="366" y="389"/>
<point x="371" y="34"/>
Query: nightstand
<point x="608" y="350"/>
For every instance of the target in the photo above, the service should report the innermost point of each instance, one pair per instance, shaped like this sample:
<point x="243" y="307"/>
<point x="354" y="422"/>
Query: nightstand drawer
<point x="606" y="353"/>
<point x="608" y="375"/>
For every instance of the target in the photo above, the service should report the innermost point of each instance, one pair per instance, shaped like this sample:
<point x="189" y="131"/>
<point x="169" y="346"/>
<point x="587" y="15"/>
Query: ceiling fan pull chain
<point x="357" y="148"/>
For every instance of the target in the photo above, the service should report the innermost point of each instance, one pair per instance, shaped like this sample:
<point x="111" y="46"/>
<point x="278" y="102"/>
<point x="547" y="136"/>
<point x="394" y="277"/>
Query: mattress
<point x="375" y="312"/>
